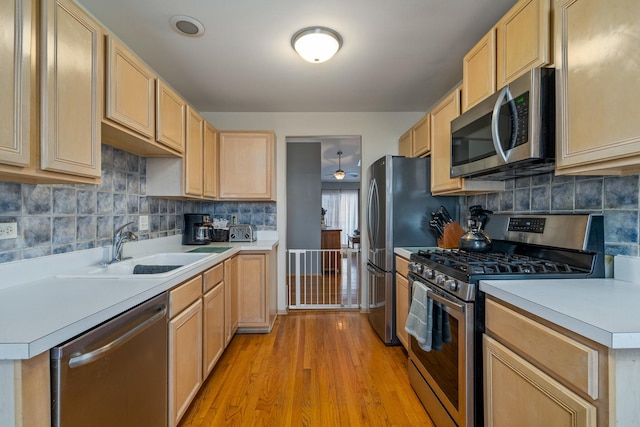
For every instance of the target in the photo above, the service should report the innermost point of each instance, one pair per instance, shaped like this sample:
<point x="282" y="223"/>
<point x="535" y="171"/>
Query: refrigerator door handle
<point x="373" y="212"/>
<point x="375" y="271"/>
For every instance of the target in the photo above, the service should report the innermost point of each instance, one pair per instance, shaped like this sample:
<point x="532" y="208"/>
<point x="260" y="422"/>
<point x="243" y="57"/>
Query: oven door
<point x="448" y="372"/>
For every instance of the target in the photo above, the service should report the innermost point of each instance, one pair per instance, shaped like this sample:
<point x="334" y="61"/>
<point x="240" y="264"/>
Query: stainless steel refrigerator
<point x="399" y="207"/>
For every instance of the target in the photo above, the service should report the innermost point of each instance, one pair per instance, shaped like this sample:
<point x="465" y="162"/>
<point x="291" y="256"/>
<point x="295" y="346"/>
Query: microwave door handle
<point x="495" y="118"/>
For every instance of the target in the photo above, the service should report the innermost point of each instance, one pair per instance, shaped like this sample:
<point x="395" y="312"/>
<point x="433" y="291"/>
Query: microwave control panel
<point x="521" y="119"/>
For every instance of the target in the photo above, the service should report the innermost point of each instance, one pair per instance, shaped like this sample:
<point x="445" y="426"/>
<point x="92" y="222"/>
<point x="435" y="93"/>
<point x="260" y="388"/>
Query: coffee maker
<point x="198" y="229"/>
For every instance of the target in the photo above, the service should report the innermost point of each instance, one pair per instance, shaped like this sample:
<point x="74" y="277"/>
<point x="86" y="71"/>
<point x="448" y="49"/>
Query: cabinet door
<point x="597" y="70"/>
<point x="230" y="298"/>
<point x="213" y="327"/>
<point x="185" y="360"/>
<point x="405" y="144"/>
<point x="72" y="52"/>
<point x="15" y="67"/>
<point x="193" y="161"/>
<point x="441" y="116"/>
<point x="479" y="71"/>
<point x="402" y="309"/>
<point x="246" y="163"/>
<point x="253" y="305"/>
<point x="421" y="137"/>
<point x="171" y="112"/>
<point x="210" y="167"/>
<point x="523" y="39"/>
<point x="130" y="90"/>
<point x="519" y="394"/>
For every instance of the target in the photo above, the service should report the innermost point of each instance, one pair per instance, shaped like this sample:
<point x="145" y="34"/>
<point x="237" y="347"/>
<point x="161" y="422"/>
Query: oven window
<point x="442" y="365"/>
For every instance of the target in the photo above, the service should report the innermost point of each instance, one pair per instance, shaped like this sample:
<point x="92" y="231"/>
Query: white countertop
<point x="603" y="310"/>
<point x="39" y="310"/>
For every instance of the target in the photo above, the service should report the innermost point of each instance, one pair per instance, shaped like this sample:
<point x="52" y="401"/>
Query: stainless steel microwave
<point x="509" y="134"/>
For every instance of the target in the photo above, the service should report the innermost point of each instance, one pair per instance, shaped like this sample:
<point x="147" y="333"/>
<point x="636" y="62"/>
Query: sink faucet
<point x="118" y="241"/>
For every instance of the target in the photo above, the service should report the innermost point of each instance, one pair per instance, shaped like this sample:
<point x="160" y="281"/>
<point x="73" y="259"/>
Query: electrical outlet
<point x="8" y="230"/>
<point x="144" y="223"/>
<point x="234" y="219"/>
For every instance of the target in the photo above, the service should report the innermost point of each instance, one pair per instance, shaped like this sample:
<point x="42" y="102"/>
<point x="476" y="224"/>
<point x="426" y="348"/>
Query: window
<point x="342" y="211"/>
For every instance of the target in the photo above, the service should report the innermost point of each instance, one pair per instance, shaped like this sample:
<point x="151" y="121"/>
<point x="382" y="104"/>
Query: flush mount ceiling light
<point x="316" y="44"/>
<point x="186" y="25"/>
<point x="339" y="174"/>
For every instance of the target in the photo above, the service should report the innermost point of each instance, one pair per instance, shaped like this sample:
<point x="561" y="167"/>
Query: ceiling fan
<point x="340" y="174"/>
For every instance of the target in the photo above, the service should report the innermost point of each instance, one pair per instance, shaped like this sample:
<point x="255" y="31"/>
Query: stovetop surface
<point x="474" y="266"/>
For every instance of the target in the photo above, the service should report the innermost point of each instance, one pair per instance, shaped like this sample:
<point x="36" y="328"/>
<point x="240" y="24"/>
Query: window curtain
<point x="342" y="211"/>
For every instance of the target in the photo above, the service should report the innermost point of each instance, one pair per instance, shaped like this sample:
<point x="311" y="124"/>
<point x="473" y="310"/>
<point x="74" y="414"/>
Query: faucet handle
<point x="119" y="229"/>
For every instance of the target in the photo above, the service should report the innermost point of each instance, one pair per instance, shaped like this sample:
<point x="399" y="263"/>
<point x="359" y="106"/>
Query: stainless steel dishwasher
<point x="114" y="374"/>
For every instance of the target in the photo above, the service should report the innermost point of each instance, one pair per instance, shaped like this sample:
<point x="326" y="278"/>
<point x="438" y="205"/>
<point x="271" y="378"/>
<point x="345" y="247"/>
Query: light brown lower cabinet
<point x="402" y="300"/>
<point x="213" y="332"/>
<point x="257" y="293"/>
<point x="230" y="298"/>
<point x="519" y="394"/>
<point x="185" y="347"/>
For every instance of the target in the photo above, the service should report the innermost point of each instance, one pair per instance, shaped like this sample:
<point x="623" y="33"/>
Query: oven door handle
<point x="451" y="305"/>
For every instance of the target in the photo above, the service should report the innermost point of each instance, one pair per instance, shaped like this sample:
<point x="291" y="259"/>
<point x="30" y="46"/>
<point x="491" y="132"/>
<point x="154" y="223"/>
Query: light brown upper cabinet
<point x="521" y="40"/>
<point x="598" y="91"/>
<point x="416" y="141"/>
<point x="171" y="112"/>
<point x="421" y="137"/>
<point x="246" y="165"/>
<point x="193" y="161"/>
<point x="70" y="58"/>
<point x="479" y="71"/>
<point x="405" y="144"/>
<point x="441" y="182"/>
<point x="130" y="108"/>
<point x="15" y="72"/>
<point x="71" y="90"/>
<point x="210" y="165"/>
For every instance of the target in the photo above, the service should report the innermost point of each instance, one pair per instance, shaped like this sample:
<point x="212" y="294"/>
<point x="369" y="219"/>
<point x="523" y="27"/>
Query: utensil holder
<point x="451" y="236"/>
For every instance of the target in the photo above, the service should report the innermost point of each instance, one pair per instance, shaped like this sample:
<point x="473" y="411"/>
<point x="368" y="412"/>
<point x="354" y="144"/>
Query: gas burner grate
<point x="492" y="263"/>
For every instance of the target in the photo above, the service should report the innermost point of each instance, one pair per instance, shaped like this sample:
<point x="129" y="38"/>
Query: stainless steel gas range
<point x="447" y="376"/>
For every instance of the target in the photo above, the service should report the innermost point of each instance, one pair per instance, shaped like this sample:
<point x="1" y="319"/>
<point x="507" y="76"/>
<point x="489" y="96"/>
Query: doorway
<point x="323" y="222"/>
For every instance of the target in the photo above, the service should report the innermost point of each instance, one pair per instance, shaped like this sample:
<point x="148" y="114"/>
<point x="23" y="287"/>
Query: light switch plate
<point x="8" y="230"/>
<point x="144" y="223"/>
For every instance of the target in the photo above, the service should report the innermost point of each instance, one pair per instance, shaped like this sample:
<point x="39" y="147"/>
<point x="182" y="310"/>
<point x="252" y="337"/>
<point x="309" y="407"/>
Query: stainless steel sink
<point x="126" y="269"/>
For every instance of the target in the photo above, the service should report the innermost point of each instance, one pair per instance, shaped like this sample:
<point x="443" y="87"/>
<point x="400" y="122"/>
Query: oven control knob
<point x="417" y="268"/>
<point x="451" y="284"/>
<point x="429" y="273"/>
<point x="440" y="279"/>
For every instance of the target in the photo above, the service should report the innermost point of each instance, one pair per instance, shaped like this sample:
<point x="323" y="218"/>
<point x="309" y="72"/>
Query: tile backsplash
<point x="57" y="218"/>
<point x="614" y="196"/>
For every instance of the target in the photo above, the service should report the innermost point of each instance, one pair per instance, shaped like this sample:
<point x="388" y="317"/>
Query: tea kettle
<point x="476" y="240"/>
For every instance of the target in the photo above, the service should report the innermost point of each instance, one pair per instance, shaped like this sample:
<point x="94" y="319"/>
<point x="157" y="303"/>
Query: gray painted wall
<point x="304" y="197"/>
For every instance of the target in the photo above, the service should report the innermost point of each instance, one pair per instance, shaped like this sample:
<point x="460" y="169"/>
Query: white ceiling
<point x="329" y="147"/>
<point x="398" y="55"/>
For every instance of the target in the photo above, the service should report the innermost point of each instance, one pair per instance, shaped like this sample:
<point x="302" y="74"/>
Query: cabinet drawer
<point x="212" y="277"/>
<point x="557" y="354"/>
<point x="182" y="296"/>
<point x="402" y="266"/>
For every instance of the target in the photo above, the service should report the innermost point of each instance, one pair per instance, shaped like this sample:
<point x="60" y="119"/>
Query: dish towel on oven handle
<point x="441" y="326"/>
<point x="420" y="319"/>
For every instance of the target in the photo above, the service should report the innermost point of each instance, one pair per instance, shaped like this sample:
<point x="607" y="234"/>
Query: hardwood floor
<point x="314" y="369"/>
